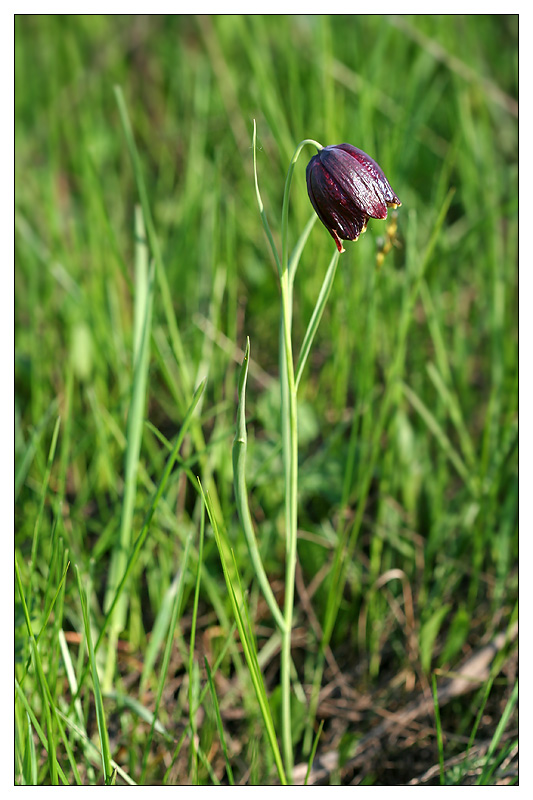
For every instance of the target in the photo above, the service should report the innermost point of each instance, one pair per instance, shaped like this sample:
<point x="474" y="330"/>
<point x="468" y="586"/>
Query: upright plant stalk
<point x="289" y="408"/>
<point x="346" y="188"/>
<point x="290" y="459"/>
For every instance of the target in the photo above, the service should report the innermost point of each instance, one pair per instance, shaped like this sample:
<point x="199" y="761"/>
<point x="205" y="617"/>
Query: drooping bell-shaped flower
<point x="346" y="187"/>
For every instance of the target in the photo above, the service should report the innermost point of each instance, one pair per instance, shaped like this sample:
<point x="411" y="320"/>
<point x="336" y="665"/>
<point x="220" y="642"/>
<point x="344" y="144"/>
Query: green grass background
<point x="408" y="407"/>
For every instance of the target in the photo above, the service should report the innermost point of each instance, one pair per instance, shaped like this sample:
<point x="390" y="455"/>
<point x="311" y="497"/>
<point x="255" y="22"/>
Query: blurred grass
<point x="434" y="100"/>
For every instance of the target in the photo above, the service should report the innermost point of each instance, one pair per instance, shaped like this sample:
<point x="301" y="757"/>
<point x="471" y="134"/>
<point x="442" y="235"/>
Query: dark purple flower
<point x="346" y="187"/>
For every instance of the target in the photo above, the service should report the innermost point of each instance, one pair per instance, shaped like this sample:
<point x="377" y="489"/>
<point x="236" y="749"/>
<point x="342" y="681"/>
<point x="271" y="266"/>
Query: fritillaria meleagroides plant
<point x="346" y="188"/>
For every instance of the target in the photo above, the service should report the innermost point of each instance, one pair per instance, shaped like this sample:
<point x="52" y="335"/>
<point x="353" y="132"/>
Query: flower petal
<point x="355" y="180"/>
<point x="346" y="187"/>
<point x="375" y="172"/>
<point x="335" y="209"/>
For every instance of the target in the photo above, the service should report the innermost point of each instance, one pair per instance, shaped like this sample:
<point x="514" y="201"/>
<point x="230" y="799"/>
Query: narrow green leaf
<point x="248" y="649"/>
<point x="450" y="401"/>
<point x="490" y="763"/>
<point x="153" y="240"/>
<point x="187" y="732"/>
<point x="428" y="633"/>
<point x="316" y="316"/>
<point x="25" y="462"/>
<point x="313" y="751"/>
<point x="29" y="764"/>
<point x="38" y="520"/>
<point x="441" y="437"/>
<point x="262" y="213"/>
<point x="142" y="323"/>
<point x="146" y="525"/>
<point x="38" y="729"/>
<point x="440" y="743"/>
<point x="168" y="652"/>
<point x="240" y="444"/>
<point x="90" y="747"/>
<point x="219" y="721"/>
<point x="98" y="699"/>
<point x="50" y="733"/>
<point x="193" y="673"/>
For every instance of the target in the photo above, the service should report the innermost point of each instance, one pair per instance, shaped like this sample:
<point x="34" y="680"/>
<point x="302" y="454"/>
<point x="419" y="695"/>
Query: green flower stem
<point x="285" y="208"/>
<point x="289" y="422"/>
<point x="264" y="220"/>
<point x="290" y="458"/>
<point x="240" y="444"/>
